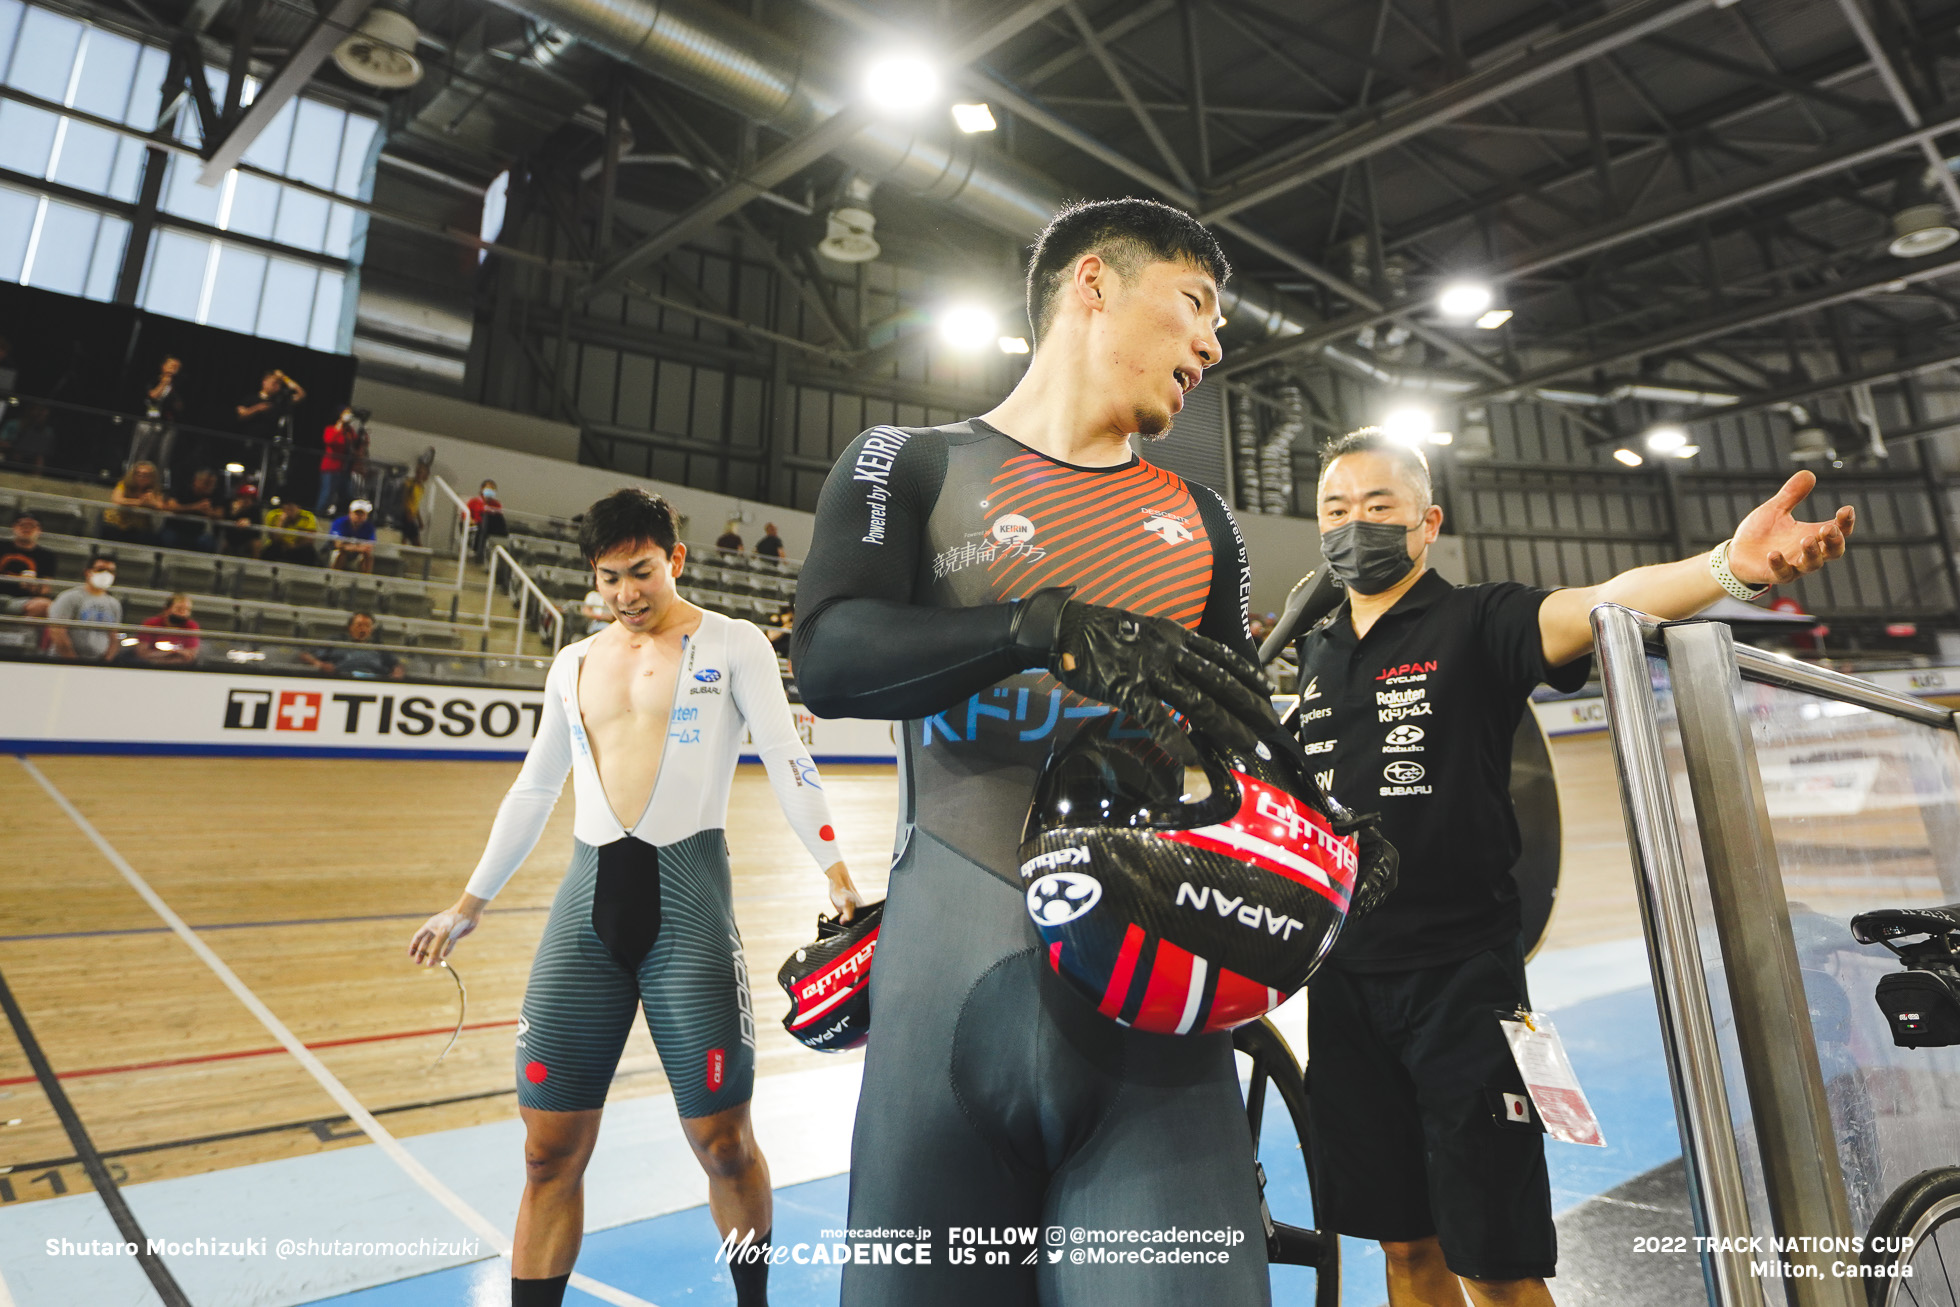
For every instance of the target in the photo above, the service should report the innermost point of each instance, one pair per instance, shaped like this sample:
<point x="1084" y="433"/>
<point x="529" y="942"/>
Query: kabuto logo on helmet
<point x="1060" y="897"/>
<point x="1056" y="858"/>
<point x="1210" y="912"/>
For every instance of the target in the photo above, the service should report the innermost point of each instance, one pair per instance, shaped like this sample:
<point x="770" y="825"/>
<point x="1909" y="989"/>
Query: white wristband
<point x="1718" y="567"/>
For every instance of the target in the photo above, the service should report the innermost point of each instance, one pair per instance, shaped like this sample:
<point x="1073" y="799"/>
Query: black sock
<point x="549" y="1292"/>
<point x="751" y="1273"/>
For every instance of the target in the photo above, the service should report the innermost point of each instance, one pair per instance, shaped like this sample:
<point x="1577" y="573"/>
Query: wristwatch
<point x="1718" y="567"/>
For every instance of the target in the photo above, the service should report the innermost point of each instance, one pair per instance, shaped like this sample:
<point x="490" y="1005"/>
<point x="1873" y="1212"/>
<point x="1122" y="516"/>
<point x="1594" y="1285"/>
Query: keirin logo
<point x="1060" y="897"/>
<point x="1011" y="529"/>
<point x="1055" y="858"/>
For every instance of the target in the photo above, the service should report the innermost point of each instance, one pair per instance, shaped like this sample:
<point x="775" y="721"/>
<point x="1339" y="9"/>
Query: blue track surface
<point x="1614" y="1043"/>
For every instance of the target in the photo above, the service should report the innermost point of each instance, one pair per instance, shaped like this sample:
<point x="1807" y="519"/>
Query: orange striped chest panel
<point x="1005" y="527"/>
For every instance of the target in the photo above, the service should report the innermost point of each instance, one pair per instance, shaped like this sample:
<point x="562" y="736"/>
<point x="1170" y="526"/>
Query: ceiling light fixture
<point x="901" y="83"/>
<point x="1492" y="319"/>
<point x="971" y="118"/>
<point x="1629" y="457"/>
<point x="1409" y="426"/>
<point x="1013" y="344"/>
<point x="1666" y="440"/>
<point x="1464" y="301"/>
<point x="968" y="327"/>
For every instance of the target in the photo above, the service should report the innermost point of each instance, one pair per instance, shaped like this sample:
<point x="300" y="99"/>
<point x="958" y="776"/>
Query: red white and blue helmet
<point x="1180" y="916"/>
<point x="829" y="982"/>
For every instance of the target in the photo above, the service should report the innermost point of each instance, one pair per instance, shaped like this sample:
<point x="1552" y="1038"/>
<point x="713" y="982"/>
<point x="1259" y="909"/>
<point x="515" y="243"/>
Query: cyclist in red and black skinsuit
<point x="937" y="591"/>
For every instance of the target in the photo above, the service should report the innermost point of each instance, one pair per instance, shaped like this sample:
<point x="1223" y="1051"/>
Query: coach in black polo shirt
<point x="1410" y="693"/>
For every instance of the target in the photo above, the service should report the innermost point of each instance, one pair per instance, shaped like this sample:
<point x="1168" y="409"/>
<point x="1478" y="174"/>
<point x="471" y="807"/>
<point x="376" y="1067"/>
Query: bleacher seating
<point x="735" y="585"/>
<point x="252" y="596"/>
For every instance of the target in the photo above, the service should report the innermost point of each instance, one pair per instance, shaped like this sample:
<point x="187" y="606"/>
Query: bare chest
<point x="624" y="690"/>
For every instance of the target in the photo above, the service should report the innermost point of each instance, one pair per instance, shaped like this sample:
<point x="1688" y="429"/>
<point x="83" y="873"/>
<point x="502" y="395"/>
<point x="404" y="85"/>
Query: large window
<point x="248" y="254"/>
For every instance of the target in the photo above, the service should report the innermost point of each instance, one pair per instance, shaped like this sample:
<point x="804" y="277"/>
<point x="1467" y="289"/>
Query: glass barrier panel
<point x="1864" y="808"/>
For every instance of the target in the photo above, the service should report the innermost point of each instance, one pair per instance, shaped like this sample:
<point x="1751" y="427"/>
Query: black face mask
<point x="1367" y="557"/>
<point x="176" y="620"/>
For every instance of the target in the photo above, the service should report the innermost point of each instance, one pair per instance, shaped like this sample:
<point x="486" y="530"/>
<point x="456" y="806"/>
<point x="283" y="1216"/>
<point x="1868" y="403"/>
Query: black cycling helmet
<point x="1181" y="916"/>
<point x="829" y="982"/>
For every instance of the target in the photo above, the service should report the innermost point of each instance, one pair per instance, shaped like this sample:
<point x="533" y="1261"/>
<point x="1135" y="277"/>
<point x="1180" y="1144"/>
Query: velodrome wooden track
<point x="307" y="878"/>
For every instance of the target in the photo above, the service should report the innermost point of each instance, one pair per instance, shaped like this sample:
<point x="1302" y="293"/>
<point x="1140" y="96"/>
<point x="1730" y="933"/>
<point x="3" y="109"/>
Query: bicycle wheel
<point x="1289" y="1245"/>
<point x="1912" y="1255"/>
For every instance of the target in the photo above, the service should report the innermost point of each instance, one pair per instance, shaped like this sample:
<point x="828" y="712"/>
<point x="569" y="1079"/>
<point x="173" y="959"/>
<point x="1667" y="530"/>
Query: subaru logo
<point x="711" y="676"/>
<point x="1062" y="896"/>
<point x="1403" y="772"/>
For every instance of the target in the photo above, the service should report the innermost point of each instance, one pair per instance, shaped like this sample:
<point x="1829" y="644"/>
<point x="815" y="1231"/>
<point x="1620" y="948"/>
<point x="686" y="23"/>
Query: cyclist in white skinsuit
<point x="644" y="917"/>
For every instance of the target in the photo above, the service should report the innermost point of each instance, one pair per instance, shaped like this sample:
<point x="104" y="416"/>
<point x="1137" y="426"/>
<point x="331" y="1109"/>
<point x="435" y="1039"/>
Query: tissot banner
<point x="55" y="708"/>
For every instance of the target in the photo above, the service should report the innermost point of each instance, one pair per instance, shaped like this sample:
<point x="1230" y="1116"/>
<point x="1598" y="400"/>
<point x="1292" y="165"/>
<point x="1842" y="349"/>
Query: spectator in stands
<point x="730" y="540"/>
<point x="771" y="544"/>
<point x="486" y="518"/>
<point x="139" y="489"/>
<point x="362" y="664"/>
<point x="353" y="539"/>
<point x="343" y="446"/>
<point x="236" y="531"/>
<point x="162" y="406"/>
<point x="415" y="490"/>
<point x="87" y="602"/>
<point x="287" y="545"/>
<point x="268" y="415"/>
<point x="24" y="558"/>
<point x="194" y="513"/>
<point x="172" y="647"/>
<point x="778" y="631"/>
<point x="26" y="438"/>
<point x="597" y="615"/>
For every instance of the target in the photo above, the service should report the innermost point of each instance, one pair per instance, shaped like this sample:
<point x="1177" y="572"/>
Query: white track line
<point x="340" y="1094"/>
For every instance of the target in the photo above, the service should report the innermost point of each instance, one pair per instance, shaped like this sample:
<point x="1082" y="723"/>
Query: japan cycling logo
<point x="1403" y="772"/>
<point x="1011" y="529"/>
<point x="1061" y="896"/>
<point x="1168" y="529"/>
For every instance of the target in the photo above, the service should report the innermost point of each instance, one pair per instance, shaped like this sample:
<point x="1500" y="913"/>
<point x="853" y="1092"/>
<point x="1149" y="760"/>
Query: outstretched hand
<point x="1773" y="548"/>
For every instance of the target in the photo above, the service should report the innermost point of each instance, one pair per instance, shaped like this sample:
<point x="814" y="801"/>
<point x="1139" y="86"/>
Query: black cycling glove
<point x="1137" y="664"/>
<point x="1380" y="865"/>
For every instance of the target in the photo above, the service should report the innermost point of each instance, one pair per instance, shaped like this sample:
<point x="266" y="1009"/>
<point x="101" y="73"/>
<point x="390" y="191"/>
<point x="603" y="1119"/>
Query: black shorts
<point x="639" y="928"/>
<point x="1406" y="1074"/>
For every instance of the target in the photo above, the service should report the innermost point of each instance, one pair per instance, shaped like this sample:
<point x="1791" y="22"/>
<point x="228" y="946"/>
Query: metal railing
<point x="461" y="521"/>
<point x="1776" y="1052"/>
<point x="220" y="527"/>
<point x="235" y="651"/>
<point x="526" y="587"/>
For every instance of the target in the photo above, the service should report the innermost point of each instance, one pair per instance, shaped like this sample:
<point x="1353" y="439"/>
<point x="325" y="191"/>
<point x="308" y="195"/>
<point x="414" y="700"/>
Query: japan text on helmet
<point x="829" y="982"/>
<point x="1175" y="915"/>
